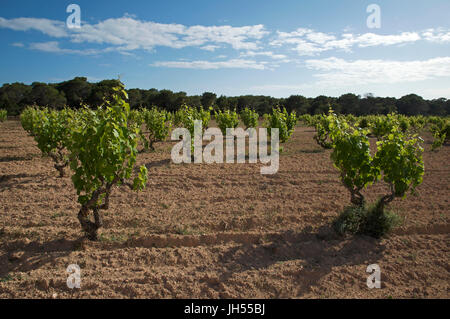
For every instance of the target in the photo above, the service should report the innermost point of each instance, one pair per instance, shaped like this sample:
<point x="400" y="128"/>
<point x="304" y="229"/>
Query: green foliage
<point x="306" y="119"/>
<point x="187" y="115"/>
<point x="404" y="124"/>
<point x="250" y="118"/>
<point x="441" y="132"/>
<point x="178" y="117"/>
<point x="382" y="125"/>
<point x="208" y="99"/>
<point x="363" y="123"/>
<point x="322" y="124"/>
<point x="46" y="95"/>
<point x="3" y="115"/>
<point x="158" y="124"/>
<point x="400" y="159"/>
<point x="282" y="120"/>
<point x="53" y="130"/>
<point x="136" y="117"/>
<point x="103" y="151"/>
<point x="417" y="122"/>
<point x="30" y="118"/>
<point x="351" y="119"/>
<point x="53" y="133"/>
<point x="351" y="156"/>
<point x="14" y="97"/>
<point x="226" y="119"/>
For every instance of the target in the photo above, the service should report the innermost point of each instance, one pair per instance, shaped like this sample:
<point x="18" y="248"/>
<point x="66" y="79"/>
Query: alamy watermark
<point x="74" y="279"/>
<point x="74" y="20"/>
<point x="374" y="280"/>
<point x="257" y="146"/>
<point x="374" y="19"/>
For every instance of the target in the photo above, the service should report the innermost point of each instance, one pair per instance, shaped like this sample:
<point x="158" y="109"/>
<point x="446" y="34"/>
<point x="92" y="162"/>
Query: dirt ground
<point x="217" y="230"/>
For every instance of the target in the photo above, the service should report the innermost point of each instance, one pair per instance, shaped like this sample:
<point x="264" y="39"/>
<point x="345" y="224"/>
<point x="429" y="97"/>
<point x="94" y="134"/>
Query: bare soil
<point x="217" y="230"/>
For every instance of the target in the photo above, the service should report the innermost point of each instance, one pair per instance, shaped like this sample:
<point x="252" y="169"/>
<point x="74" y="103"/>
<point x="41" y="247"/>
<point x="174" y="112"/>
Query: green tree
<point x="349" y="104"/>
<point x="297" y="103"/>
<point x="14" y="97"/>
<point x="76" y="91"/>
<point x="208" y="99"/>
<point x="102" y="91"/>
<point x="412" y="104"/>
<point x="45" y="95"/>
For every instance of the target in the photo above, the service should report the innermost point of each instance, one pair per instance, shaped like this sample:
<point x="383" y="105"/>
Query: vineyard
<point x="98" y="188"/>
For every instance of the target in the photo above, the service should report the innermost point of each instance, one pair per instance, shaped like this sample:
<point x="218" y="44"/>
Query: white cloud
<point x="18" y="44"/>
<point x="210" y="47"/>
<point x="309" y="42"/>
<point x="237" y="37"/>
<point x="319" y="37"/>
<point x="438" y="35"/>
<point x="307" y="48"/>
<point x="130" y="34"/>
<point x="264" y="53"/>
<point x="339" y="72"/>
<point x="49" y="27"/>
<point x="206" y="65"/>
<point x="372" y="39"/>
<point x="434" y="92"/>
<point x="130" y="15"/>
<point x="53" y="46"/>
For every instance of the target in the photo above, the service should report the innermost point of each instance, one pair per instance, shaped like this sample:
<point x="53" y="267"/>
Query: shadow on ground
<point x="14" y="180"/>
<point x="25" y="257"/>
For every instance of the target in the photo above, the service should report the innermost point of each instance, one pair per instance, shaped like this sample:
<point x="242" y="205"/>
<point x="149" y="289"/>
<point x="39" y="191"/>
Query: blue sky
<point x="232" y="47"/>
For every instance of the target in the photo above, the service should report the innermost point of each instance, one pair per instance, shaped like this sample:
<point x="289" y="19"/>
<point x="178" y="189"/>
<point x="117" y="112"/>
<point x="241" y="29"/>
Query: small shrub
<point x="363" y="123"/>
<point x="368" y="220"/>
<point x="323" y="125"/>
<point x="3" y="115"/>
<point x="282" y="120"/>
<point x="226" y="119"/>
<point x="383" y="125"/>
<point x="30" y="119"/>
<point x="441" y="133"/>
<point x="250" y="118"/>
<point x="158" y="124"/>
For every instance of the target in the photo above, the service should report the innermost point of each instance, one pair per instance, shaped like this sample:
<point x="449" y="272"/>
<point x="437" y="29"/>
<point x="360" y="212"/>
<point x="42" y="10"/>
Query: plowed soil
<point x="217" y="230"/>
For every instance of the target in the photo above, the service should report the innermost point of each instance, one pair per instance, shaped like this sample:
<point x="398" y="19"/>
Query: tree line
<point x="78" y="91"/>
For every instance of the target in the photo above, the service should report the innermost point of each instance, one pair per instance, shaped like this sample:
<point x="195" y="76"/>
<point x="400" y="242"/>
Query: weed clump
<point x="372" y="220"/>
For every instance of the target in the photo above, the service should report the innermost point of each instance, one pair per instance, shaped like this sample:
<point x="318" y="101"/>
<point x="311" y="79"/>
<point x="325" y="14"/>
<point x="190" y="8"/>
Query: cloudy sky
<point x="233" y="47"/>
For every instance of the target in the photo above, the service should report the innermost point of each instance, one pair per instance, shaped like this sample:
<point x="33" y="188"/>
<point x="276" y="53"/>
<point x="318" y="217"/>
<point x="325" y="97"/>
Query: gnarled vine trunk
<point x="89" y="227"/>
<point x="357" y="198"/>
<point x="385" y="200"/>
<point x="60" y="169"/>
<point x="60" y="162"/>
